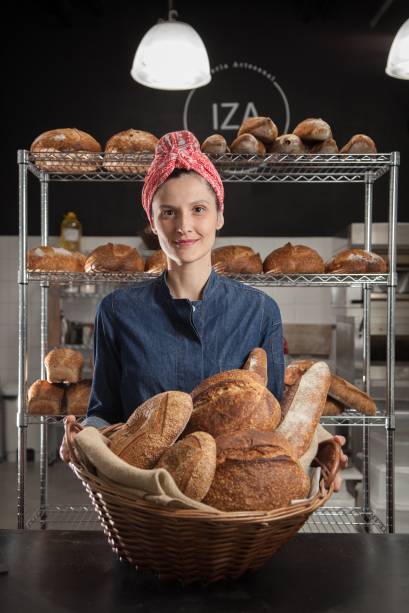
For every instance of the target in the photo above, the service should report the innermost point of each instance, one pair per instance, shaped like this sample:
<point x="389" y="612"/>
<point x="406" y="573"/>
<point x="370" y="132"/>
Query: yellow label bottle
<point x="71" y="232"/>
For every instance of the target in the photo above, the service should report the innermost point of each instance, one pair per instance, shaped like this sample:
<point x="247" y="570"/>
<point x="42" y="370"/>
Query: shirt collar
<point x="209" y="288"/>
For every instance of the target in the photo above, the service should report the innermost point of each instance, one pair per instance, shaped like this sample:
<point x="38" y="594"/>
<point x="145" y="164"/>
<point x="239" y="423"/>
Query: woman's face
<point x="184" y="209"/>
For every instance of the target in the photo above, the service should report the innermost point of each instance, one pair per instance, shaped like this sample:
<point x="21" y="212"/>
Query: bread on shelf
<point x="114" y="258"/>
<point x="156" y="262"/>
<point x="263" y="128"/>
<point x="293" y="259"/>
<point x="78" y="146"/>
<point x="247" y="144"/>
<point x="77" y="397"/>
<point x="359" y="143"/>
<point x="236" y="259"/>
<point x="313" y="129"/>
<point x="63" y="365"/>
<point x="328" y="146"/>
<point x="54" y="259"/>
<point x="44" y="398"/>
<point x="129" y="142"/>
<point x="350" y="261"/>
<point x="215" y="145"/>
<point x="290" y="144"/>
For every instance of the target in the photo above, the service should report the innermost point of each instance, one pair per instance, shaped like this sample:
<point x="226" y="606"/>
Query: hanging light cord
<point x="172" y="13"/>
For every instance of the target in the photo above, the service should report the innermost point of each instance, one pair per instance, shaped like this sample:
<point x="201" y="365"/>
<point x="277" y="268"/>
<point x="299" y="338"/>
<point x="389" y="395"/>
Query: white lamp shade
<point x="171" y="55"/>
<point x="398" y="58"/>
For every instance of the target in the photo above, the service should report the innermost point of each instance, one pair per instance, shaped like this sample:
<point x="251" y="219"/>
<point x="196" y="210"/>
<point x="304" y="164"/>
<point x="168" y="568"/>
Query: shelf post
<point x="21" y="418"/>
<point x="390" y="347"/>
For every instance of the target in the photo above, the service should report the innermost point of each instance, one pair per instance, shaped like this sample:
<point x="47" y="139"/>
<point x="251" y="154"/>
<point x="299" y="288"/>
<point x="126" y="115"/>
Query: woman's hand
<point x="343" y="463"/>
<point x="64" y="452"/>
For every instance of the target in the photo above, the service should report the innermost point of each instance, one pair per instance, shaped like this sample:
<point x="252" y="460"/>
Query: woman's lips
<point x="186" y="243"/>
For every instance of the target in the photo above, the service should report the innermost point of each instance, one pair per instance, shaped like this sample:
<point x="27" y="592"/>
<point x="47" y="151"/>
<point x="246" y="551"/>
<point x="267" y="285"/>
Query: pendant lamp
<point x="171" y="56"/>
<point x="398" y="59"/>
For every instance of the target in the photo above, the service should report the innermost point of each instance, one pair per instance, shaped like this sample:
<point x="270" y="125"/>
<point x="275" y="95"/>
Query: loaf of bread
<point x="157" y="262"/>
<point x="215" y="145"/>
<point x="247" y="144"/>
<point x="236" y="259"/>
<point x="233" y="400"/>
<point x="350" y="261"/>
<point x="77" y="397"/>
<point x="152" y="428"/>
<point x="257" y="362"/>
<point x="290" y="144"/>
<point x="326" y="146"/>
<point x="114" y="258"/>
<point x="359" y="143"/>
<point x="79" y="149"/>
<point x="292" y="259"/>
<point x="256" y="471"/>
<point x="304" y="413"/>
<point x="63" y="365"/>
<point x="128" y="143"/>
<point x="55" y="259"/>
<point x="263" y="128"/>
<point x="340" y="390"/>
<point x="192" y="464"/>
<point x="44" y="398"/>
<point x="333" y="407"/>
<point x="313" y="129"/>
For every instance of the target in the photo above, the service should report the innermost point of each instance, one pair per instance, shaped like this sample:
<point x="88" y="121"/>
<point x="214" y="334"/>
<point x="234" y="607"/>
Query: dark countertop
<point x="73" y="571"/>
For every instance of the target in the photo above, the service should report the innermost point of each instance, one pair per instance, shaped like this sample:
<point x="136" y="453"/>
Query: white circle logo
<point x="237" y="91"/>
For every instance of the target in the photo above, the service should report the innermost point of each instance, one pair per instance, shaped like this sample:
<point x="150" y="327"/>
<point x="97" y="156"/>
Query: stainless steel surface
<point x="380" y="236"/>
<point x="43" y="353"/>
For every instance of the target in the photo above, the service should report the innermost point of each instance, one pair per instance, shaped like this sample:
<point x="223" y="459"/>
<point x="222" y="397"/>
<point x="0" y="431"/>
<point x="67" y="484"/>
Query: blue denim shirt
<point x="147" y="342"/>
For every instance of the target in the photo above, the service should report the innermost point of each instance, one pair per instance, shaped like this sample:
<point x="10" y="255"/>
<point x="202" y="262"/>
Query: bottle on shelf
<point x="71" y="232"/>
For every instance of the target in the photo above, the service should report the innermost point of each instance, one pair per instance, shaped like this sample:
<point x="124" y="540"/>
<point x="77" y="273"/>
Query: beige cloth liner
<point x="157" y="485"/>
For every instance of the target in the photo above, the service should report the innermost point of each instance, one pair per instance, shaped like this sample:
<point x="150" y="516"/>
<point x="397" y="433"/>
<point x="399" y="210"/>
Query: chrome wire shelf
<point x="51" y="419"/>
<point x="261" y="280"/>
<point x="270" y="168"/>
<point x="340" y="520"/>
<point x="333" y="520"/>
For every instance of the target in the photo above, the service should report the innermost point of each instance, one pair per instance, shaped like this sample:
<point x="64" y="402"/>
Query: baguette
<point x="306" y="408"/>
<point x="257" y="362"/>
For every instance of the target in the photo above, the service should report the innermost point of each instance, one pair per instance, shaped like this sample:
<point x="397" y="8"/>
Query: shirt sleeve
<point x="105" y="399"/>
<point x="273" y="344"/>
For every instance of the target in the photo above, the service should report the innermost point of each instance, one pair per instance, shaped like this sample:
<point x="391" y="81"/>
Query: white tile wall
<point x="298" y="305"/>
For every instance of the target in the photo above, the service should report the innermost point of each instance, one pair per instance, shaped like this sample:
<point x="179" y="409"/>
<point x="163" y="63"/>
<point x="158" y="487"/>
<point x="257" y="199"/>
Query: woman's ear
<point x="220" y="220"/>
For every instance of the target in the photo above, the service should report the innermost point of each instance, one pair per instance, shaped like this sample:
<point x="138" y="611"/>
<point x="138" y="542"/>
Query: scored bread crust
<point x="114" y="258"/>
<point x="257" y="362"/>
<point x="55" y="259"/>
<point x="215" y="145"/>
<point x="263" y="128"/>
<point x="256" y="471"/>
<point x="293" y="259"/>
<point x="192" y="464"/>
<point x="313" y="129"/>
<point x="233" y="400"/>
<point x="237" y="259"/>
<point x="248" y="144"/>
<point x="63" y="365"/>
<point x="129" y="142"/>
<point x="359" y="143"/>
<point x="152" y="428"/>
<point x="356" y="261"/>
<point x="156" y="262"/>
<point x="79" y="146"/>
<point x="287" y="143"/>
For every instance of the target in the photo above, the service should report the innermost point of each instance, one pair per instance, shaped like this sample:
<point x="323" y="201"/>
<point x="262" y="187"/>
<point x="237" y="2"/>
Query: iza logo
<point x="237" y="91"/>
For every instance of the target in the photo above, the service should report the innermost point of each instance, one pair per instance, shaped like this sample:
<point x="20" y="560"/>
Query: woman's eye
<point x="199" y="207"/>
<point x="166" y="212"/>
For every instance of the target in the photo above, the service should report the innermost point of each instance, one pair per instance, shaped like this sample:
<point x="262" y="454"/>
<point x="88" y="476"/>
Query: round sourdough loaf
<point x="236" y="259"/>
<point x="359" y="143"/>
<point x="293" y="259"/>
<point x="156" y="262"/>
<point x="63" y="365"/>
<point x="192" y="464"/>
<point x="56" y="259"/>
<point x="114" y="258"/>
<point x="78" y="146"/>
<point x="313" y="129"/>
<point x="129" y="142"/>
<point x="256" y="471"/>
<point x="233" y="400"/>
<point x="152" y="428"/>
<point x="350" y="261"/>
<point x="263" y="128"/>
<point x="247" y="144"/>
<point x="215" y="145"/>
<point x="287" y="143"/>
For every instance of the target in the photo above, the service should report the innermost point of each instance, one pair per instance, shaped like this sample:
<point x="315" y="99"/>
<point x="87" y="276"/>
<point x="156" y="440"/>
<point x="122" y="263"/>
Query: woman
<point x="189" y="323"/>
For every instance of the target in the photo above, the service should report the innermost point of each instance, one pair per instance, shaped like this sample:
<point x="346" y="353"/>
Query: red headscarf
<point x="179" y="150"/>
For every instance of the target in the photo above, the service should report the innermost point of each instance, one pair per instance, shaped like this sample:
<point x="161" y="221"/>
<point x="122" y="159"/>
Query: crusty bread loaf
<point x="215" y="145"/>
<point x="313" y="129"/>
<point x="77" y="397"/>
<point x="75" y="143"/>
<point x="233" y="400"/>
<point x="290" y="144"/>
<point x="114" y="258"/>
<point x="44" y="398"/>
<point x="63" y="365"/>
<point x="57" y="259"/>
<point x="263" y="128"/>
<point x="333" y="407"/>
<point x="247" y="144"/>
<point x="256" y="471"/>
<point x="356" y="260"/>
<point x="192" y="464"/>
<point x="156" y="262"/>
<point x="341" y="390"/>
<point x="236" y="259"/>
<point x="126" y="143"/>
<point x="326" y="146"/>
<point x="307" y="406"/>
<point x="293" y="259"/>
<point x="257" y="362"/>
<point x="152" y="428"/>
<point x="359" y="143"/>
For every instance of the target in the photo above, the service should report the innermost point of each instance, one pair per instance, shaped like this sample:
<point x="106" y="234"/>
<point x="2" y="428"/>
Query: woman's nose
<point x="184" y="222"/>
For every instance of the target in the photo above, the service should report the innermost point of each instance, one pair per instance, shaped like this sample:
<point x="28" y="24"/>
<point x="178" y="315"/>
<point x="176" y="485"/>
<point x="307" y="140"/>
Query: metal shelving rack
<point x="272" y="168"/>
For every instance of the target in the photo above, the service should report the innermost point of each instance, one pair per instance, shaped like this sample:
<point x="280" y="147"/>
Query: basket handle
<point x="328" y="458"/>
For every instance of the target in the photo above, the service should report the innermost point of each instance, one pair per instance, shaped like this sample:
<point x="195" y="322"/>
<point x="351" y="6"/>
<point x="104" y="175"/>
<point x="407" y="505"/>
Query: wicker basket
<point x="190" y="545"/>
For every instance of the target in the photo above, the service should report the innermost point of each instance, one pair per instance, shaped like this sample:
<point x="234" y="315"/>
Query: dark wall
<point x="67" y="64"/>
